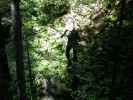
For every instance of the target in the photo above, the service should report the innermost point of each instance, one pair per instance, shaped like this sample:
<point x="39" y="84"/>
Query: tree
<point x="19" y="49"/>
<point x="31" y="77"/>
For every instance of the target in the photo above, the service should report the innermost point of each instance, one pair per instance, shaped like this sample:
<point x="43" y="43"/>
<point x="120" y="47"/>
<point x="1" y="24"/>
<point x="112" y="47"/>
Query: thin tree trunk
<point x="15" y="9"/>
<point x="31" y="77"/>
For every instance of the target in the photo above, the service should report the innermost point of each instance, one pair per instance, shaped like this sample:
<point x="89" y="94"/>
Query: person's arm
<point x="64" y="33"/>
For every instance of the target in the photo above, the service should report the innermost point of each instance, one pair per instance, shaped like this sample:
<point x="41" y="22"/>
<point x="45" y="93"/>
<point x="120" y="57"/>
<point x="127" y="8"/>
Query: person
<point x="72" y="42"/>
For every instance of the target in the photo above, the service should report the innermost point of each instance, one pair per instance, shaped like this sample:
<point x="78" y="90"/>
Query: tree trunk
<point x="21" y="85"/>
<point x="31" y="77"/>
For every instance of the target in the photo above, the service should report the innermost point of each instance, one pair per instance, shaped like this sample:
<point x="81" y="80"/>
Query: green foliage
<point x="56" y="8"/>
<point x="53" y="9"/>
<point x="4" y="6"/>
<point x="96" y="61"/>
<point x="102" y="55"/>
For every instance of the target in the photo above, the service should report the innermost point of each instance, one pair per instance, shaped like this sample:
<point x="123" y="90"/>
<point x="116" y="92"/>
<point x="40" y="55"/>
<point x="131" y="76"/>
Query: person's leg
<point x="75" y="53"/>
<point x="68" y="48"/>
